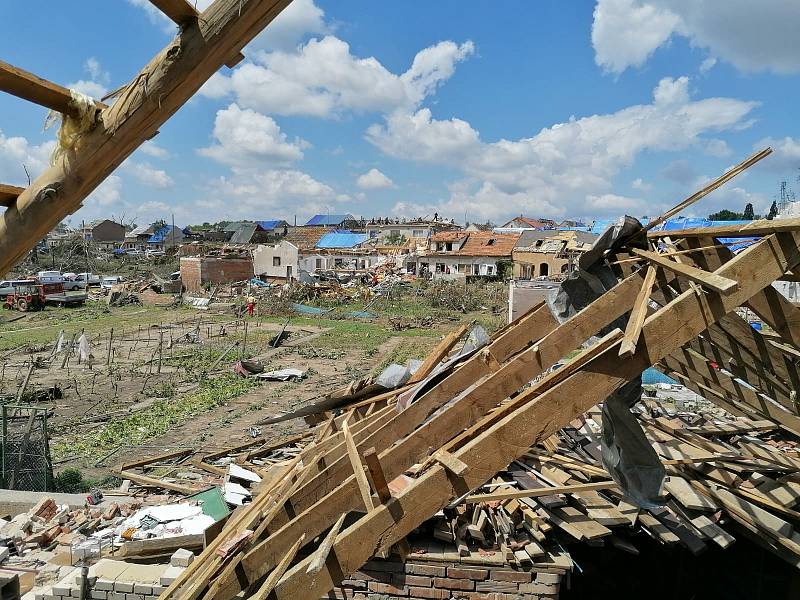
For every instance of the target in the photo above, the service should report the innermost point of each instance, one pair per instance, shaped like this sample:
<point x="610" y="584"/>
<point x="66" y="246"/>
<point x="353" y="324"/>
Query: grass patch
<point x="154" y="420"/>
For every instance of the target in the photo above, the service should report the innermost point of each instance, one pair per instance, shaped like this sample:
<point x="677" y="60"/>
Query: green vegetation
<point x="71" y="481"/>
<point x="154" y="420"/>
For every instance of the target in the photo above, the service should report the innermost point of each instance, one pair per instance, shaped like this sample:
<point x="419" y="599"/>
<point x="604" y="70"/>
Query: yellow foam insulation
<point x="71" y="127"/>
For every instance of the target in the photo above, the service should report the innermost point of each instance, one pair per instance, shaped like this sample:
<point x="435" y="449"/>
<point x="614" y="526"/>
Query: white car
<point x="50" y="277"/>
<point x="154" y="253"/>
<point x="107" y="282"/>
<point x="134" y="253"/>
<point x="89" y="278"/>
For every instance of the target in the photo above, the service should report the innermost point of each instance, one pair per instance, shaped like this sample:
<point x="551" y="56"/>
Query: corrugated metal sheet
<point x="341" y="239"/>
<point x="270" y="225"/>
<point x="329" y="219"/>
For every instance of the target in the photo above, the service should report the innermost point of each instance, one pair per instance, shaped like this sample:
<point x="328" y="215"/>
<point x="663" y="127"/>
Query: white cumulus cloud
<point x="374" y="180"/>
<point x="245" y="137"/>
<point x="323" y="79"/>
<point x="752" y="37"/>
<point x="148" y="175"/>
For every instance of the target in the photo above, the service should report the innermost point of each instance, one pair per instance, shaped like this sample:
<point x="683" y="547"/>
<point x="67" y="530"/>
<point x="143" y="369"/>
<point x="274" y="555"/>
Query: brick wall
<point x="197" y="271"/>
<point x="386" y="580"/>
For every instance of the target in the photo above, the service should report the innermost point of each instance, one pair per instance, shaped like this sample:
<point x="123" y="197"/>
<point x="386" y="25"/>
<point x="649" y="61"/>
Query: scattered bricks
<point x="551" y="578"/>
<point x="497" y="586"/>
<point x="386" y="566"/>
<point x="181" y="558"/>
<point x="111" y="512"/>
<point x="142" y="588"/>
<point x="454" y="584"/>
<point x="416" y="580"/>
<point x="123" y="587"/>
<point x="426" y="592"/>
<point x="429" y="570"/>
<point x="465" y="573"/>
<point x="387" y="588"/>
<point x="170" y="574"/>
<point x="538" y="588"/>
<point x="515" y="576"/>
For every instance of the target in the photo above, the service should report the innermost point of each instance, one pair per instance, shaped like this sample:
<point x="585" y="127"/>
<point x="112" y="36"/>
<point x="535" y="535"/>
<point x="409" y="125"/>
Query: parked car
<point x="70" y="285"/>
<point x="134" y="253"/>
<point x="155" y="253"/>
<point x="50" y="277"/>
<point x="90" y="278"/>
<point x="109" y="281"/>
<point x="9" y="286"/>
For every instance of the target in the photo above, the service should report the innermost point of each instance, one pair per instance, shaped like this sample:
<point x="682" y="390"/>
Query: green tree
<point x="726" y="215"/>
<point x="748" y="212"/>
<point x="773" y="210"/>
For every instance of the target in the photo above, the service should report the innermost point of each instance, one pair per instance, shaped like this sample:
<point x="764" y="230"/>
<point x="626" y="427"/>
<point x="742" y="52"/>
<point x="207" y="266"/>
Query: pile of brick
<point x="418" y="580"/>
<point x="48" y="523"/>
<point x="116" y="580"/>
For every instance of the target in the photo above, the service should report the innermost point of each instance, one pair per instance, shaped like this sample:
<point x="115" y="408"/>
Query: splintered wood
<point x="484" y="459"/>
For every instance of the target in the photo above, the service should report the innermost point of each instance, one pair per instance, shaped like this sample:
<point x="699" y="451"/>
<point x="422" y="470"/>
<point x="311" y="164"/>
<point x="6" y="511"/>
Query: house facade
<point x="105" y="233"/>
<point x="277" y="261"/>
<point x="137" y="238"/>
<point x="417" y="230"/>
<point x="551" y="254"/>
<point x="522" y="222"/>
<point x="466" y="253"/>
<point x="165" y="238"/>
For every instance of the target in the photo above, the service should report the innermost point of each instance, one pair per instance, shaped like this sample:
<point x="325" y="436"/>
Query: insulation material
<point x="72" y="128"/>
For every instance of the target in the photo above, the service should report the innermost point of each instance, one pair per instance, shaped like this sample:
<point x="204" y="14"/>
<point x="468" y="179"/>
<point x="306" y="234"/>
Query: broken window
<point x="276" y="261"/>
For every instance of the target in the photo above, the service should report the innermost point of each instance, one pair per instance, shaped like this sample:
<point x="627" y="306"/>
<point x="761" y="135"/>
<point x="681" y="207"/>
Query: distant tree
<point x="748" y="212"/>
<point x="726" y="215"/>
<point x="773" y="210"/>
<point x="395" y="239"/>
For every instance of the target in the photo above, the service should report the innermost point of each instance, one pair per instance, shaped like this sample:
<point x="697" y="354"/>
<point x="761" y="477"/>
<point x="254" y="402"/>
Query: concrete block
<point x="98" y="594"/>
<point x="104" y="584"/>
<point x="159" y="589"/>
<point x="142" y="588"/>
<point x="170" y="574"/>
<point x="147" y="574"/>
<point x="62" y="588"/>
<point x="181" y="558"/>
<point x="123" y="587"/>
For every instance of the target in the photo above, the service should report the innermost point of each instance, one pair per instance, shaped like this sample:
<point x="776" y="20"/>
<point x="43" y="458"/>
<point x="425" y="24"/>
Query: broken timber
<point x="164" y="85"/>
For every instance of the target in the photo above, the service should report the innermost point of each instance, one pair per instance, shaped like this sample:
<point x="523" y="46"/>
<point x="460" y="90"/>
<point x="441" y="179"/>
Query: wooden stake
<point x="638" y="314"/>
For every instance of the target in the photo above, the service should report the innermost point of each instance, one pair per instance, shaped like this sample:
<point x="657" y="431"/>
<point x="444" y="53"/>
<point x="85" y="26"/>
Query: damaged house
<point x="467" y="253"/>
<point x="549" y="253"/>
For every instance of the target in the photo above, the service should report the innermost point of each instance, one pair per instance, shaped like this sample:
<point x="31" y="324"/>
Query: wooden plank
<point x="759" y="228"/>
<point x="28" y="86"/>
<point x="680" y="489"/>
<point x="438" y="354"/>
<point x="358" y="468"/>
<point x="9" y="193"/>
<point x="667" y="329"/>
<point x="779" y="313"/>
<point x="274" y="577"/>
<point x="535" y="493"/>
<point x="719" y="181"/>
<point x="157" y="483"/>
<point x="320" y="555"/>
<point x="377" y="475"/>
<point x="450" y="462"/>
<point x="639" y="313"/>
<point x="172" y="77"/>
<point x="153" y="459"/>
<point x="716" y="283"/>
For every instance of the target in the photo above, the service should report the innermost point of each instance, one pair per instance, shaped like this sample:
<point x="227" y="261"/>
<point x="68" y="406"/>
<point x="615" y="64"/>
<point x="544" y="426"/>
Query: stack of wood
<point x="726" y="476"/>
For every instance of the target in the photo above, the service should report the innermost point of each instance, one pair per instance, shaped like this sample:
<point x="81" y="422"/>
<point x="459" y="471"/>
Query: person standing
<point x="251" y="305"/>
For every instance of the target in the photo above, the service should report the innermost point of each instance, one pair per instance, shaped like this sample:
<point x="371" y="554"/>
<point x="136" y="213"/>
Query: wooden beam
<point x="182" y="14"/>
<point x="669" y="328"/>
<point x="543" y="491"/>
<point x="719" y="181"/>
<point x="377" y="474"/>
<point x="28" y="86"/>
<point x="438" y="354"/>
<point x="9" y="194"/>
<point x="320" y="556"/>
<point x="638" y="314"/>
<point x="358" y="469"/>
<point x="753" y="229"/>
<point x="164" y="85"/>
<point x="272" y="580"/>
<point x="721" y="285"/>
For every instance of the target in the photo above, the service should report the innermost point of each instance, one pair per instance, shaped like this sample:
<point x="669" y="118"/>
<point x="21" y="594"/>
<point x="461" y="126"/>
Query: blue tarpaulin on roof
<point x="341" y="239"/>
<point x="735" y="244"/>
<point x="161" y="234"/>
<point x="270" y="225"/>
<point x="329" y="219"/>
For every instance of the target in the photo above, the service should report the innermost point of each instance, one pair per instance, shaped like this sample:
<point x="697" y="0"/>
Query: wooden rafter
<point x="164" y="85"/>
<point x="28" y="86"/>
<point x="9" y="194"/>
<point x="712" y="281"/>
<point x="638" y="314"/>
<point x="182" y="13"/>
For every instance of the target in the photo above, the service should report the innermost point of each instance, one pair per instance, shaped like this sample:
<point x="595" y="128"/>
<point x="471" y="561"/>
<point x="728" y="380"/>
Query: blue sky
<point x="577" y="109"/>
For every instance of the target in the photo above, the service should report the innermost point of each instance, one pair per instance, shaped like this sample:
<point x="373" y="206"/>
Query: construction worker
<point x="251" y="305"/>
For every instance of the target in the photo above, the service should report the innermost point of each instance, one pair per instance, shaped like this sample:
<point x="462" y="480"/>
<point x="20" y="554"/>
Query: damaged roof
<point x="484" y="243"/>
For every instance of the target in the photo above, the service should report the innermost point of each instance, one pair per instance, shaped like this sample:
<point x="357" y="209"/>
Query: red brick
<point x="497" y="586"/>
<point x="462" y="573"/>
<point x="424" y="592"/>
<point x="387" y="588"/>
<point x="454" y="584"/>
<point x="429" y="570"/>
<point x="516" y="576"/>
<point x="418" y="580"/>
